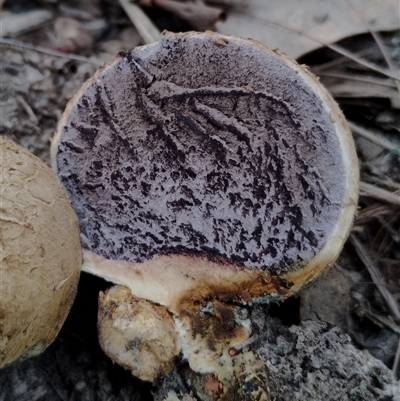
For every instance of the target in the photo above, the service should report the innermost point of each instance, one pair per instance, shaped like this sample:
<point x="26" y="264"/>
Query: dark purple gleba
<point x="192" y="151"/>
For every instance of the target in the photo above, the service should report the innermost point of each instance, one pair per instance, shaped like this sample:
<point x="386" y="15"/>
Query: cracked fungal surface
<point x="196" y="146"/>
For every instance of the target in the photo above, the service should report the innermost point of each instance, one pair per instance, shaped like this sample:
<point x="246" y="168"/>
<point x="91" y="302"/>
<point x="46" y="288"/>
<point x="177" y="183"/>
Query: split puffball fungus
<point x="41" y="254"/>
<point x="208" y="173"/>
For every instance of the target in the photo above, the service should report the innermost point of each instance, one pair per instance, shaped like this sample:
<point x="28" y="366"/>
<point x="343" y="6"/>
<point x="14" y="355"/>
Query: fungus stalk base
<point x="143" y="337"/>
<point x="207" y="333"/>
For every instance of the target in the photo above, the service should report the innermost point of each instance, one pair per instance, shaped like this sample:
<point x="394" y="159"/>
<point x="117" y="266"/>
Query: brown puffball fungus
<point x="208" y="173"/>
<point x="40" y="258"/>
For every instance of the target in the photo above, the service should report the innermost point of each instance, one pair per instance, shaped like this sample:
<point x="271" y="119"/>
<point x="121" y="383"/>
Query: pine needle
<point x="45" y="50"/>
<point x="376" y="277"/>
<point x="374" y="137"/>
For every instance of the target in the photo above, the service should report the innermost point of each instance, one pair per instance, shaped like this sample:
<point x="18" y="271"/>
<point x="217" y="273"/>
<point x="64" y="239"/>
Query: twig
<point x="28" y="109"/>
<point x="383" y="321"/>
<point x="317" y="69"/>
<point x="235" y="349"/>
<point x="14" y="24"/>
<point x="336" y="48"/>
<point x="358" y="60"/>
<point x="380" y="45"/>
<point x="387" y="57"/>
<point x="395" y="234"/>
<point x="372" y="211"/>
<point x="45" y="50"/>
<point x="396" y="359"/>
<point x="147" y="30"/>
<point x="376" y="277"/>
<point x="386" y="182"/>
<point x="379" y="193"/>
<point x="357" y="78"/>
<point x="373" y="137"/>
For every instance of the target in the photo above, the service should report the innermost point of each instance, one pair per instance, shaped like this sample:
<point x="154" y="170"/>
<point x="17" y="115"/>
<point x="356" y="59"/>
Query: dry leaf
<point x="300" y="26"/>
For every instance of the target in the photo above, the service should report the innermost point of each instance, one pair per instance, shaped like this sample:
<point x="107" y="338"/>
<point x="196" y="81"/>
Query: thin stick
<point x="387" y="182"/>
<point x="375" y="81"/>
<point x="358" y="60"/>
<point x="235" y="349"/>
<point x="386" y="56"/>
<point x="396" y="359"/>
<point x="382" y="320"/>
<point x="380" y="44"/>
<point x="336" y="48"/>
<point x="45" y="50"/>
<point x="317" y="69"/>
<point x="370" y="212"/>
<point x="147" y="30"/>
<point x="379" y="193"/>
<point x="376" y="277"/>
<point x="28" y="109"/>
<point x="373" y="137"/>
<point x="393" y="232"/>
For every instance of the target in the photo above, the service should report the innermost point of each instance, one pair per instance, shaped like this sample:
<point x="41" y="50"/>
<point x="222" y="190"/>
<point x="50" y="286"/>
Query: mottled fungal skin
<point x="40" y="258"/>
<point x="202" y="147"/>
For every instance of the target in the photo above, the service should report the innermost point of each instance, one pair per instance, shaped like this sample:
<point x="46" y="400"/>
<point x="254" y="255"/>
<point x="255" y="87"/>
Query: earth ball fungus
<point x="40" y="258"/>
<point x="208" y="173"/>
